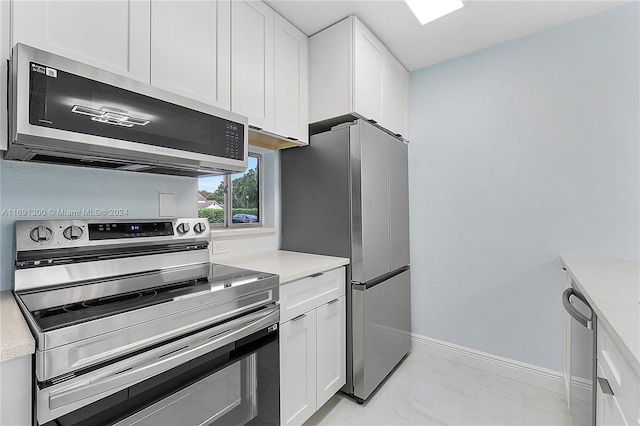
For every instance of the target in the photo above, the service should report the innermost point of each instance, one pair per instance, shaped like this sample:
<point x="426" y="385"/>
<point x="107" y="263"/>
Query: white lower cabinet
<point x="331" y="349"/>
<point x="16" y="391"/>
<point x="298" y="369"/>
<point x="619" y="404"/>
<point x="312" y="345"/>
<point x="608" y="412"/>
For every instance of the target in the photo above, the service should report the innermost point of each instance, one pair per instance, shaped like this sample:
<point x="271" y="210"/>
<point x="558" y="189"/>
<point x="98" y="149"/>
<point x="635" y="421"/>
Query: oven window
<point x="227" y="397"/>
<point x="237" y="384"/>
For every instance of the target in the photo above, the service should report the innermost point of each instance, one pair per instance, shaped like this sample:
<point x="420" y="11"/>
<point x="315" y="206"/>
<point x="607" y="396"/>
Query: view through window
<point x="232" y="200"/>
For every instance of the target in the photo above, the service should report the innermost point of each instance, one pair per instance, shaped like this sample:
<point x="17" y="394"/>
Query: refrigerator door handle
<point x="571" y="310"/>
<point x="356" y="285"/>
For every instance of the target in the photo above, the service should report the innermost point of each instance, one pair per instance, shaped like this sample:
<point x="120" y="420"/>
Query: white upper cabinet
<point x="112" y="35"/>
<point x="368" y="73"/>
<point x="269" y="72"/>
<point x="395" y="92"/>
<point x="252" y="62"/>
<point x="351" y="72"/>
<point x="291" y="81"/>
<point x="234" y="54"/>
<point x="191" y="49"/>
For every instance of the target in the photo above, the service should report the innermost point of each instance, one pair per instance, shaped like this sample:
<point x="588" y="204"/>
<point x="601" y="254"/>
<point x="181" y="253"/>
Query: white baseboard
<point x="525" y="373"/>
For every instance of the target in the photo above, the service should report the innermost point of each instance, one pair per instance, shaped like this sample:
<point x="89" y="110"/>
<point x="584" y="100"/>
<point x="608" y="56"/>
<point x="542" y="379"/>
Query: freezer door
<point x="381" y="330"/>
<point x="370" y="202"/>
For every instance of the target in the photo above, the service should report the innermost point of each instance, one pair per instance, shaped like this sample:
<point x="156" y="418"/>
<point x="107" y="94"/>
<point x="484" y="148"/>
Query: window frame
<point x="227" y="223"/>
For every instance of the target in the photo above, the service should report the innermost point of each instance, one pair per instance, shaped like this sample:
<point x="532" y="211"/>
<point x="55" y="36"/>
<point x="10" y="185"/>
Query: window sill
<point x="226" y="232"/>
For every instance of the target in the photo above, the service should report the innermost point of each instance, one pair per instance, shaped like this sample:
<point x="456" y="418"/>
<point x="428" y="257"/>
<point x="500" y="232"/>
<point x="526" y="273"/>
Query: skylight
<point x="430" y="10"/>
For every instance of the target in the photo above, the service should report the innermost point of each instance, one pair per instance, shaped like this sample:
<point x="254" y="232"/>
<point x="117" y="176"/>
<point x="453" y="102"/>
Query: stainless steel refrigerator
<point x="346" y="194"/>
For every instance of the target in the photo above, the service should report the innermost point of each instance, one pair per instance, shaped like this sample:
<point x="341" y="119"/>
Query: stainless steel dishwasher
<point x="580" y="362"/>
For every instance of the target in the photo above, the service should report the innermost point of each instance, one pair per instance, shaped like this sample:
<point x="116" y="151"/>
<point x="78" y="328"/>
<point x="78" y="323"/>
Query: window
<point x="233" y="200"/>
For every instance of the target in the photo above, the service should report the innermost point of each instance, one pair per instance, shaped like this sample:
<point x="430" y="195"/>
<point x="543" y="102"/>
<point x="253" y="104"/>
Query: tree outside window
<point x="232" y="200"/>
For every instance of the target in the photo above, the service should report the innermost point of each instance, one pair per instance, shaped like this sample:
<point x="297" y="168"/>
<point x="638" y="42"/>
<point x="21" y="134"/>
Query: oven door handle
<point x="121" y="378"/>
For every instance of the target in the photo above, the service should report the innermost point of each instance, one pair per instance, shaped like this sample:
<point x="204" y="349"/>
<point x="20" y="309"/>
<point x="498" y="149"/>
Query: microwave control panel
<point x="234" y="140"/>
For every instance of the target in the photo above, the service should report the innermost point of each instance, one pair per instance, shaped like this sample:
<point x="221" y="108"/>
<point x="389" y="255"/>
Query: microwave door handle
<point x="571" y="310"/>
<point x="120" y="381"/>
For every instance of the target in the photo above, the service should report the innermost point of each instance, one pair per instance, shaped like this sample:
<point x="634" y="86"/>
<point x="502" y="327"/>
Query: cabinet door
<point x="291" y="81"/>
<point x="608" y="412"/>
<point x="331" y="373"/>
<point x="113" y="35"/>
<point x="330" y="79"/>
<point x="298" y="369"/>
<point x="368" y="65"/>
<point x="190" y="49"/>
<point x="395" y="95"/>
<point x="252" y="56"/>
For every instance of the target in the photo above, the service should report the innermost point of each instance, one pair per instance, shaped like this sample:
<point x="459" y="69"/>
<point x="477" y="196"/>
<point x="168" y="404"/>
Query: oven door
<point x="228" y="374"/>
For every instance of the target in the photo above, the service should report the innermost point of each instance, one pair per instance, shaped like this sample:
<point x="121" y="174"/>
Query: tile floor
<point x="427" y="390"/>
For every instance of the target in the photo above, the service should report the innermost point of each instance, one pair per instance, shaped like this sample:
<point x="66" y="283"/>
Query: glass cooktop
<point x="220" y="277"/>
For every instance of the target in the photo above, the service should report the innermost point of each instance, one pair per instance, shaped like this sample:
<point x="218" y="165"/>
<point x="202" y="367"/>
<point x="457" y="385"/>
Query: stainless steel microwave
<point x="63" y="111"/>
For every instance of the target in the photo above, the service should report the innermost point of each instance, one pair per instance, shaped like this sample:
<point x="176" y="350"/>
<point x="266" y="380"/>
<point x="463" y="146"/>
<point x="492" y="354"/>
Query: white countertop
<point x="612" y="288"/>
<point x="288" y="265"/>
<point x="15" y="337"/>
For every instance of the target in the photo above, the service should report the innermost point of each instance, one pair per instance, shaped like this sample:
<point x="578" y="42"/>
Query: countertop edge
<point x="16" y="339"/>
<point x="632" y="357"/>
<point x="311" y="271"/>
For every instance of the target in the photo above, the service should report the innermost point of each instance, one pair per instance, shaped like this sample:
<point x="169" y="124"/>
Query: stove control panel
<point x="119" y="230"/>
<point x="41" y="235"/>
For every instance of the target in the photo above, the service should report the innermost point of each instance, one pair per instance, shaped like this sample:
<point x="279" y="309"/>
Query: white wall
<point x="45" y="187"/>
<point x="521" y="153"/>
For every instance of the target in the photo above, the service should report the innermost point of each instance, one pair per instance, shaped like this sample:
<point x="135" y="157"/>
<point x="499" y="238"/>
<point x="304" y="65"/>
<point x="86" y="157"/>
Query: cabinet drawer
<point x="300" y="296"/>
<point x="623" y="380"/>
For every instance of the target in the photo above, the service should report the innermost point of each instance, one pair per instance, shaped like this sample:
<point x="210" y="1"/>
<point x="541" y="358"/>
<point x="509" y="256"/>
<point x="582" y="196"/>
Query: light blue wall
<point x="521" y="153"/>
<point x="45" y="186"/>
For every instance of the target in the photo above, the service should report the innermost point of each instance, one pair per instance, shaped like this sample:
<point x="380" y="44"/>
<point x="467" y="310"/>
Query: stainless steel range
<point x="134" y="325"/>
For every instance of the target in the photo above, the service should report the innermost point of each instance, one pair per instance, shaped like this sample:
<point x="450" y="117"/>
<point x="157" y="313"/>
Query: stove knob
<point x="183" y="228"/>
<point x="41" y="234"/>
<point x="199" y="227"/>
<point x="72" y="232"/>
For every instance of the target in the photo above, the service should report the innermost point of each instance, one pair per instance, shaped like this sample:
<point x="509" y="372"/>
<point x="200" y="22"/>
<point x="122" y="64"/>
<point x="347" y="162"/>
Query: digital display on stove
<point x="107" y="230"/>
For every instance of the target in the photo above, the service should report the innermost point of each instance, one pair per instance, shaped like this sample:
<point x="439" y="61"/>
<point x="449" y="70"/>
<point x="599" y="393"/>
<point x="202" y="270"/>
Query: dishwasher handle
<point x="571" y="310"/>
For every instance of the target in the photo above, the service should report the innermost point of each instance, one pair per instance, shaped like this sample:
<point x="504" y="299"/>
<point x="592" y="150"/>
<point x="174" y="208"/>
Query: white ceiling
<point x="480" y="24"/>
